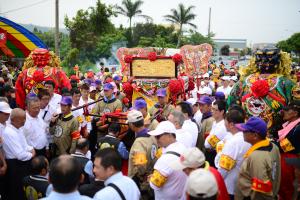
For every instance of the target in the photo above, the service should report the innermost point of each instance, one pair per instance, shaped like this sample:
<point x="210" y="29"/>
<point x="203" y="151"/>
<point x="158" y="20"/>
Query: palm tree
<point x="182" y="16"/>
<point x="131" y="9"/>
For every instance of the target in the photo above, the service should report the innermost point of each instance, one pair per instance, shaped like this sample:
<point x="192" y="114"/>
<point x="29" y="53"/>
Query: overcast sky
<point x="254" y="20"/>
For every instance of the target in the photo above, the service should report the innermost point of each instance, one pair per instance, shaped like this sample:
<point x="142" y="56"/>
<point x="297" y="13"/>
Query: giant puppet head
<point x="41" y="57"/>
<point x="267" y="59"/>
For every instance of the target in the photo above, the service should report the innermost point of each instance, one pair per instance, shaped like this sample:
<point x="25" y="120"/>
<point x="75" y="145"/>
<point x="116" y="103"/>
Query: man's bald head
<point x="17" y="117"/>
<point x="82" y="145"/>
<point x="65" y="172"/>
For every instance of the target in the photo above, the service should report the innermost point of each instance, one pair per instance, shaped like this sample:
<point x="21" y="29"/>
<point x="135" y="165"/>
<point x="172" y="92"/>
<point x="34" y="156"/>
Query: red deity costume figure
<point x="40" y="66"/>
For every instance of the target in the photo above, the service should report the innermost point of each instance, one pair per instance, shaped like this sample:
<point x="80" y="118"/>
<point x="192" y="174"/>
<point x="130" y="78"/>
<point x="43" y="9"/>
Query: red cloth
<point x="286" y="189"/>
<point x="125" y="167"/>
<point x="25" y="83"/>
<point x="223" y="194"/>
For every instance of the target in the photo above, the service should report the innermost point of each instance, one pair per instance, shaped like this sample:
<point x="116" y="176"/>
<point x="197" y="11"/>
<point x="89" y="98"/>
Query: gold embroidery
<point x="286" y="145"/>
<point x="263" y="143"/>
<point x="213" y="140"/>
<point x="88" y="118"/>
<point x="226" y="162"/>
<point x="158" y="179"/>
<point x="79" y="119"/>
<point x="220" y="146"/>
<point x="139" y="158"/>
<point x="158" y="153"/>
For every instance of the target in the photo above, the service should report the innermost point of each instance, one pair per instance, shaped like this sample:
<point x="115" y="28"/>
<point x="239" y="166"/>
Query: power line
<point x="27" y="6"/>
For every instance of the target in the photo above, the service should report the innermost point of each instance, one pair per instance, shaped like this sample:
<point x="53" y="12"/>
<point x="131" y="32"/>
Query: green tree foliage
<point x="48" y="39"/>
<point x="196" y="38"/>
<point x="182" y="16"/>
<point x="291" y="44"/>
<point x="225" y="50"/>
<point x="149" y="34"/>
<point x="131" y="9"/>
<point x="104" y="43"/>
<point x="87" y="28"/>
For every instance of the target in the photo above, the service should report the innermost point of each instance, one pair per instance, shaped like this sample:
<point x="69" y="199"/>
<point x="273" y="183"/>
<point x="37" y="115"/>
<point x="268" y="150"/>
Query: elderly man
<point x="35" y="127"/>
<point x="168" y="184"/>
<point x="189" y="123"/>
<point x="259" y="176"/>
<point x="182" y="136"/>
<point x="142" y="152"/>
<point x="65" y="174"/>
<point x="18" y="153"/>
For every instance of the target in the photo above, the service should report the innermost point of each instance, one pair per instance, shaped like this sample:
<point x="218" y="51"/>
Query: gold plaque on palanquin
<point x="160" y="68"/>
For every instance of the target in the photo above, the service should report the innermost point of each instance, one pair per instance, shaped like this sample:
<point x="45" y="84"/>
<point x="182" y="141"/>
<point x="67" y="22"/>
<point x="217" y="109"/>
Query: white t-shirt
<point x="55" y="101"/>
<point x="184" y="138"/>
<point x="218" y="133"/>
<point x="192" y="128"/>
<point x="174" y="187"/>
<point x="231" y="159"/>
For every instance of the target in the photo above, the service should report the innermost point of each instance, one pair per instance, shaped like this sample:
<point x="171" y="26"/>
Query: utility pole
<point x="56" y="28"/>
<point x="209" y="17"/>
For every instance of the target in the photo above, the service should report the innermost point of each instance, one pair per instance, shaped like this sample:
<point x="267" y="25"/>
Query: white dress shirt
<point x="35" y="132"/>
<point x="218" y="133"/>
<point x="2" y="127"/>
<point x="174" y="187"/>
<point x="124" y="183"/>
<point x="184" y="138"/>
<point x="192" y="128"/>
<point x="234" y="149"/>
<point x="198" y="117"/>
<point x="55" y="101"/>
<point x="46" y="113"/>
<point x="15" y="145"/>
<point x="66" y="196"/>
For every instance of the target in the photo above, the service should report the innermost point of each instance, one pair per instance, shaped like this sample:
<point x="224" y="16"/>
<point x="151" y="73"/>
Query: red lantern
<point x="177" y="58"/>
<point x="128" y="59"/>
<point x="152" y="56"/>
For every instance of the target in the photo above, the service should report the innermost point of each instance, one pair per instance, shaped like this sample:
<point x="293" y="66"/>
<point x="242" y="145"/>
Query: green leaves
<point x="182" y="16"/>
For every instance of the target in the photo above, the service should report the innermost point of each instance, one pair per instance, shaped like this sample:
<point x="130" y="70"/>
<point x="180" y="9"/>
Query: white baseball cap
<point x="205" y="90"/>
<point x="191" y="158"/>
<point x="202" y="183"/>
<point x="206" y="75"/>
<point x="134" y="116"/>
<point x="192" y="101"/>
<point x="225" y="78"/>
<point x="4" y="107"/>
<point x="163" y="127"/>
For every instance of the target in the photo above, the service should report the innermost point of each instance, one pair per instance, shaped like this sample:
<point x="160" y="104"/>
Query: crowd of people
<point x="78" y="144"/>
